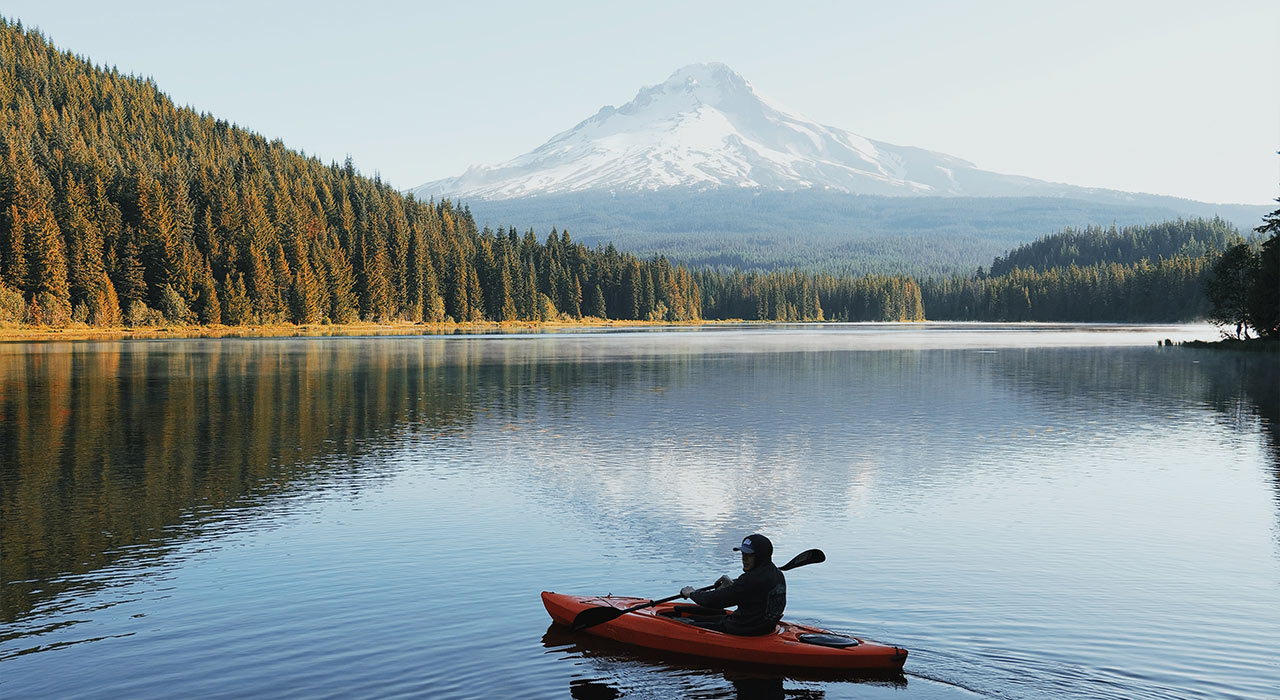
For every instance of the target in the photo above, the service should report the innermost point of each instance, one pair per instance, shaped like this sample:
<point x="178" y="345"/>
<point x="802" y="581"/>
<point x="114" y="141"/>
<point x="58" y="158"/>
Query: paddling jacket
<point x="760" y="595"/>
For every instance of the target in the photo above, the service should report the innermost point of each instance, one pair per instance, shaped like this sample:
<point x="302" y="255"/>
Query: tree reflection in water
<point x="615" y="670"/>
<point x="118" y="450"/>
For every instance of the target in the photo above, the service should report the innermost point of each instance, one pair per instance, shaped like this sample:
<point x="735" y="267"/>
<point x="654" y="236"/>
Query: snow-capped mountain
<point x="706" y="127"/>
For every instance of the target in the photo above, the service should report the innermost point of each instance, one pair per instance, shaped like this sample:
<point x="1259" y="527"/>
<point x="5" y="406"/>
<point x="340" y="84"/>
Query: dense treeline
<point x="1165" y="290"/>
<point x="1139" y="273"/>
<point x="116" y="206"/>
<point x="1094" y="245"/>
<point x="1244" y="286"/>
<point x="801" y="296"/>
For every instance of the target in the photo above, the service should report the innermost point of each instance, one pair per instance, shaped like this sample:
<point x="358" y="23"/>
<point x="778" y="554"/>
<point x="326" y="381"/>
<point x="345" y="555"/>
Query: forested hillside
<point x="1151" y="273"/>
<point x="1093" y="245"/>
<point x="1139" y="273"/>
<point x="834" y="232"/>
<point x="118" y="206"/>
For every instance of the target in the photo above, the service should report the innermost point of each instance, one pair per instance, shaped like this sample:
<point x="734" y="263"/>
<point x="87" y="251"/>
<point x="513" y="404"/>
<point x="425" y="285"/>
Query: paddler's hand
<point x="723" y="582"/>
<point x="687" y="591"/>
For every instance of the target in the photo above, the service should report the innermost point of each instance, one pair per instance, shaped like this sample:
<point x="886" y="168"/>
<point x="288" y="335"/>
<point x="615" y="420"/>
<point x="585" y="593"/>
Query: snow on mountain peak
<point x="707" y="80"/>
<point x="705" y="126"/>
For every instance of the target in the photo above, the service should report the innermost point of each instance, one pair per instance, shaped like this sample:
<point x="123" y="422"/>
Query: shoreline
<point x="319" y="330"/>
<point x="1250" y="345"/>
<point x="81" y="332"/>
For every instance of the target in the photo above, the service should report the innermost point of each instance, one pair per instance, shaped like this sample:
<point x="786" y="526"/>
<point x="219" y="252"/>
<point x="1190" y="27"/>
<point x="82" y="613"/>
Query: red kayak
<point x="662" y="627"/>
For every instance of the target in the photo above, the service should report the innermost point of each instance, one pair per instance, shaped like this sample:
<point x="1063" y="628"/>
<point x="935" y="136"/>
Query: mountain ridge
<point x="707" y="127"/>
<point x="831" y="231"/>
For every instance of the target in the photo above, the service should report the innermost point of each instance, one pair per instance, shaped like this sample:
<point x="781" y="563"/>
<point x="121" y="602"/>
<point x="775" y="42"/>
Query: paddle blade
<point x="595" y="616"/>
<point x="805" y="558"/>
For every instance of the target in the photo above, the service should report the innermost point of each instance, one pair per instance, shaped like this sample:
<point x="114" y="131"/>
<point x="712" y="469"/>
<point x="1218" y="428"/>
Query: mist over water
<point x="1043" y="511"/>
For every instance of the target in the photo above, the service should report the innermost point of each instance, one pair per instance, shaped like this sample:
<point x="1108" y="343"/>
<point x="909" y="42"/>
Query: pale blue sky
<point x="1178" y="98"/>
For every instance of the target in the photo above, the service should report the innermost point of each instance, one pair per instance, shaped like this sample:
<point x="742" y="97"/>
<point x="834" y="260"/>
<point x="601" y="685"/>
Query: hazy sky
<point x="1168" y="97"/>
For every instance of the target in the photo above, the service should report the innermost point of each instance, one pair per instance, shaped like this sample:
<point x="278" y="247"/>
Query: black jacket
<point x="760" y="595"/>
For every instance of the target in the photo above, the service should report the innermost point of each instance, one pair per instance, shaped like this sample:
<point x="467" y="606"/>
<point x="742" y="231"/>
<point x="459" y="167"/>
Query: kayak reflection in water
<point x="746" y="688"/>
<point x="760" y="594"/>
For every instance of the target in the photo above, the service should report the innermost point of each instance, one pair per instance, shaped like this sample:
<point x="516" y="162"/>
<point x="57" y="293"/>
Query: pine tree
<point x="415" y="271"/>
<point x="343" y="303"/>
<point x="631" y="291"/>
<point x="648" y="302"/>
<point x="432" y="301"/>
<point x="473" y="292"/>
<point x="237" y="308"/>
<point x="84" y="242"/>
<point x="528" y="299"/>
<point x="457" y="298"/>
<point x="104" y="304"/>
<point x="13" y="258"/>
<point x="304" y="297"/>
<point x="283" y="276"/>
<point x="372" y="284"/>
<point x="174" y="307"/>
<point x="595" y="303"/>
<point x="506" y="303"/>
<point x="206" y="235"/>
<point x="13" y="249"/>
<point x="34" y="222"/>
<point x="546" y="308"/>
<point x="261" y="284"/>
<point x="208" y="306"/>
<point x="157" y="236"/>
<point x="130" y="281"/>
<point x="1263" y="302"/>
<point x="1230" y="286"/>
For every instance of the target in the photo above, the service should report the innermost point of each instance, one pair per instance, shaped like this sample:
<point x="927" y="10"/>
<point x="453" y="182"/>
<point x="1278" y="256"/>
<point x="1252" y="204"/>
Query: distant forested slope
<point x="834" y="232"/>
<point x="1138" y="274"/>
<point x="1094" y="245"/>
<point x="1153" y="273"/>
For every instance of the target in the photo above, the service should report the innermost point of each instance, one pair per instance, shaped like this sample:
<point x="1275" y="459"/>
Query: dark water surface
<point x="1033" y="511"/>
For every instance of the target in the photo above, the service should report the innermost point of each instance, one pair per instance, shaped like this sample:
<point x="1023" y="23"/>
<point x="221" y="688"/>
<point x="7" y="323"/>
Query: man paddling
<point x="760" y="593"/>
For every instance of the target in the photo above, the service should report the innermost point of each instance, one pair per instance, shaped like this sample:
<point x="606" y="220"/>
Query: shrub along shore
<point x="1251" y="345"/>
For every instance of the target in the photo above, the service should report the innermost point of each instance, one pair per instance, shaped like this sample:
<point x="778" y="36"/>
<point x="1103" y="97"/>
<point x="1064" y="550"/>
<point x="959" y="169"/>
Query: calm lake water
<point x="1042" y="511"/>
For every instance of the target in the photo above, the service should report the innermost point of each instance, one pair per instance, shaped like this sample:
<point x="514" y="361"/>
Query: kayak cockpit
<point x="690" y="612"/>
<point x="835" y="641"/>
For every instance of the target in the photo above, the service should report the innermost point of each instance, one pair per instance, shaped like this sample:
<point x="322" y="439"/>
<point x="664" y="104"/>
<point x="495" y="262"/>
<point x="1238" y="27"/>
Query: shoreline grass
<point x="19" y="333"/>
<point x="26" y="333"/>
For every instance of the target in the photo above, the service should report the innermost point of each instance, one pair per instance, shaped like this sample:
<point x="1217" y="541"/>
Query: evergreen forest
<point x="1095" y="245"/>
<point x="1138" y="273"/>
<point x="116" y="206"/>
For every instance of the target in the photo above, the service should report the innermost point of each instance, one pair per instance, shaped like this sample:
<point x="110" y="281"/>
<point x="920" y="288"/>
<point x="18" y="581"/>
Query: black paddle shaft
<point x="601" y="614"/>
<point x="595" y="616"/>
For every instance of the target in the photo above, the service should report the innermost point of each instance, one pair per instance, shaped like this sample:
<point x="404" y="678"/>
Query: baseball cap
<point x="754" y="543"/>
